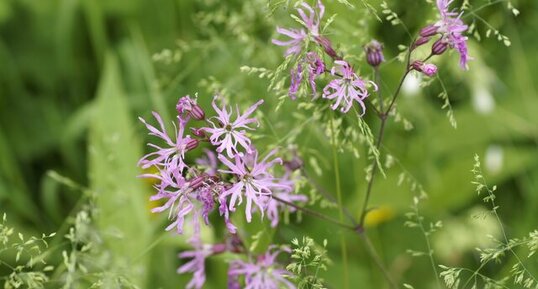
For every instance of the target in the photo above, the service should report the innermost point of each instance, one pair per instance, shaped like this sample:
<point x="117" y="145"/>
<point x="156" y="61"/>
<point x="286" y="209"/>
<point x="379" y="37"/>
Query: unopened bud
<point x="427" y="69"/>
<point x="197" y="181"/>
<point x="439" y="47"/>
<point x="199" y="132"/>
<point x="327" y="46"/>
<point x="191" y="144"/>
<point x="420" y="41"/>
<point x="197" y="112"/>
<point x="219" y="248"/>
<point x="374" y="53"/>
<point x="429" y="30"/>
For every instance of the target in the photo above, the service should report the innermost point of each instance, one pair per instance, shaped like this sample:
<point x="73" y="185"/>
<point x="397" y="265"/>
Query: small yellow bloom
<point x="378" y="215"/>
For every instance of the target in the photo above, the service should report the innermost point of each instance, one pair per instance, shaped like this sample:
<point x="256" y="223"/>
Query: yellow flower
<point x="378" y="215"/>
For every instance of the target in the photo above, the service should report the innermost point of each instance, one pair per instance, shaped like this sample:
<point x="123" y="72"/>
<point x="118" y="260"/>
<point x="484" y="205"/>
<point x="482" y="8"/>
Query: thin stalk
<point x="343" y="244"/>
<point x="383" y="116"/>
<point x="316" y="214"/>
<point x="377" y="259"/>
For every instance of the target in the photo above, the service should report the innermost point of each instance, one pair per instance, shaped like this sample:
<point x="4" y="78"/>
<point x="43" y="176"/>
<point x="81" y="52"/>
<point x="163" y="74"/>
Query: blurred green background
<point x="75" y="74"/>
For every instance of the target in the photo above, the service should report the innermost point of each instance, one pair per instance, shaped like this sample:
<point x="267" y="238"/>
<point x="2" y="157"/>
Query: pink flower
<point x="187" y="107"/>
<point x="196" y="264"/>
<point x="172" y="156"/>
<point x="297" y="37"/>
<point x="197" y="258"/>
<point x="427" y="69"/>
<point x="274" y="207"/>
<point x="315" y="66"/>
<point x="451" y="27"/>
<point x="254" y="181"/>
<point x="227" y="134"/>
<point x="194" y="197"/>
<point x="264" y="273"/>
<point x="346" y="88"/>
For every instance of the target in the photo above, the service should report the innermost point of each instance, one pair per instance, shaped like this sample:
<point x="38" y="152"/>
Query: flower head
<point x="346" y="87"/>
<point x="172" y="156"/>
<point x="427" y="69"/>
<point x="264" y="273"/>
<point x="187" y="107"/>
<point x="196" y="264"/>
<point x="311" y="20"/>
<point x="183" y="197"/>
<point x="315" y="67"/>
<point x="451" y="27"/>
<point x="227" y="134"/>
<point x="197" y="257"/>
<point x="254" y="181"/>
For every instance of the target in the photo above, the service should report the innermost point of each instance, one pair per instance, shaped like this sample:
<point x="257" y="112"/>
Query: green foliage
<point x="308" y="260"/>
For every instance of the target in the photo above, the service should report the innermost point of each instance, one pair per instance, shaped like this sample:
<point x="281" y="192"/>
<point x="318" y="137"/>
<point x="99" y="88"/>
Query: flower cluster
<point x="449" y="29"/>
<point x="346" y="87"/>
<point x="229" y="171"/>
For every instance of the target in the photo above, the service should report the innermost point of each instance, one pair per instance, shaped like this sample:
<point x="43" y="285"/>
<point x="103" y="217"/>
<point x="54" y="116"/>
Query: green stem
<point x="343" y="244"/>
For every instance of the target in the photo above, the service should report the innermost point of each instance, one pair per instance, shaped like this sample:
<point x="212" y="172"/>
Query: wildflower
<point x="346" y="88"/>
<point x="264" y="273"/>
<point x="451" y="27"/>
<point x="298" y="36"/>
<point x="197" y="263"/>
<point x="170" y="157"/>
<point x="427" y="69"/>
<point x="227" y="134"/>
<point x="187" y="107"/>
<point x="184" y="197"/>
<point x="254" y="181"/>
<point x="315" y="66"/>
<point x="374" y="53"/>
<point x="274" y="207"/>
<point x="295" y="78"/>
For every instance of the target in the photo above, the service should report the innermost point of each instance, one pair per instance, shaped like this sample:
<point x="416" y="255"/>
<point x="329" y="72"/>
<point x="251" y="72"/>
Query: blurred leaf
<point x="113" y="154"/>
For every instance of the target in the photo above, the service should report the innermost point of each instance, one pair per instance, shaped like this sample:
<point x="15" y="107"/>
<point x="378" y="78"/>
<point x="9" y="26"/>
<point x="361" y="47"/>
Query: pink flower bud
<point x="427" y="69"/>
<point x="197" y="112"/>
<point x="439" y="47"/>
<point x="374" y="53"/>
<point x="429" y="30"/>
<point x="191" y="144"/>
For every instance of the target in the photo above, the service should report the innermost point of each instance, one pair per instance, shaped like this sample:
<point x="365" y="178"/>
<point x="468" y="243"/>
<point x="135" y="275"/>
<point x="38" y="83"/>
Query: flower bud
<point x="294" y="164"/>
<point x="327" y="46"/>
<point x="374" y="53"/>
<point x="429" y="30"/>
<point x="197" y="112"/>
<point x="439" y="47"/>
<point x="427" y="69"/>
<point x="199" y="132"/>
<point x="197" y="181"/>
<point x="420" y="41"/>
<point x="219" y="248"/>
<point x="191" y="144"/>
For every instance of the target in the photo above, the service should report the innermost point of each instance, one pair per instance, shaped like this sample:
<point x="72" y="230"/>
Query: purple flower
<point x="171" y="157"/>
<point x="315" y="66"/>
<point x="451" y="27"/>
<point x="254" y="181"/>
<point x="297" y="37"/>
<point x="187" y="107"/>
<point x="274" y="207"/>
<point x="182" y="197"/>
<point x="296" y="76"/>
<point x="427" y="69"/>
<point x="227" y="134"/>
<point x="346" y="87"/>
<point x="264" y="273"/>
<point x="197" y="263"/>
